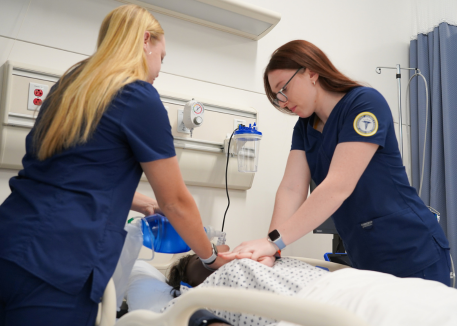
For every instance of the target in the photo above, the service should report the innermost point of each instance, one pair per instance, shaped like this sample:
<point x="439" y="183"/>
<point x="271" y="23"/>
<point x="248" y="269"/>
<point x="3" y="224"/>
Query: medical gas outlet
<point x="37" y="94"/>
<point x="193" y="115"/>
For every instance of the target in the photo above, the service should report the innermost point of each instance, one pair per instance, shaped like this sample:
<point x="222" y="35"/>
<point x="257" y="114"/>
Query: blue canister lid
<point x="248" y="130"/>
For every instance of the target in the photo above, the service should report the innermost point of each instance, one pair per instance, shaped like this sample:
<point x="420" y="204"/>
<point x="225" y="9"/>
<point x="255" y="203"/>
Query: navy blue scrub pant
<point x="439" y="271"/>
<point x="27" y="300"/>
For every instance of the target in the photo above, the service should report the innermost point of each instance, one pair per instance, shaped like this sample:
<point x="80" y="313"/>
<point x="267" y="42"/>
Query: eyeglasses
<point x="280" y="96"/>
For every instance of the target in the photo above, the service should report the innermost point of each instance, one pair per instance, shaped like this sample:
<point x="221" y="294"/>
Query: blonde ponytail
<point x="86" y="89"/>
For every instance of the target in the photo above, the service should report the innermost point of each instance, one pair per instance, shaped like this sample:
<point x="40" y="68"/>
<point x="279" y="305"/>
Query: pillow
<point x="142" y="269"/>
<point x="147" y="288"/>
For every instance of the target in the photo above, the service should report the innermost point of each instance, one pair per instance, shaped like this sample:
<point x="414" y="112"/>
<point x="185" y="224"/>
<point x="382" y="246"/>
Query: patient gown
<point x="287" y="277"/>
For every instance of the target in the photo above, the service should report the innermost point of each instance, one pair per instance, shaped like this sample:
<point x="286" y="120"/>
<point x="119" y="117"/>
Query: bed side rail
<point x="286" y="308"/>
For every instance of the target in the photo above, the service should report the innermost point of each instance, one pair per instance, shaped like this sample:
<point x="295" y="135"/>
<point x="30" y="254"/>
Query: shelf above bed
<point x="231" y="16"/>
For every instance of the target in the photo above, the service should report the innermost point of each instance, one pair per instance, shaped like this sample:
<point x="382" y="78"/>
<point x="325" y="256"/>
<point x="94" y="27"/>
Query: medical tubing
<point x="213" y="233"/>
<point x="226" y="186"/>
<point x="418" y="73"/>
<point x="221" y="239"/>
<point x="452" y="271"/>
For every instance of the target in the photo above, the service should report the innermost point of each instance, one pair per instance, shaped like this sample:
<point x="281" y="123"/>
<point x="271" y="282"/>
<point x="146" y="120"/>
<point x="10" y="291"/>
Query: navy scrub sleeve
<point x="65" y="217"/>
<point x="384" y="224"/>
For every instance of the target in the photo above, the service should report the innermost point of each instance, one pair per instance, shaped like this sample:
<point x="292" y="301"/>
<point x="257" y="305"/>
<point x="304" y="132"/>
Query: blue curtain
<point x="435" y="54"/>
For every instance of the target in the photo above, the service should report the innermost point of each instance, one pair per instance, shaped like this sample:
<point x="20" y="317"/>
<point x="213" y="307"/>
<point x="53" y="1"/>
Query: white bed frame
<point x="292" y="309"/>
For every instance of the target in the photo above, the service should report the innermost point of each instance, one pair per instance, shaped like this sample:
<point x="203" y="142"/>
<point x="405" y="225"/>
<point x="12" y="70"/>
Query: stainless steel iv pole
<point x="400" y="118"/>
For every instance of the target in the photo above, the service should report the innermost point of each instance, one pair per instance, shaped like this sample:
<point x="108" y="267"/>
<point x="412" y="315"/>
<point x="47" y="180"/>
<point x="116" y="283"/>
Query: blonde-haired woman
<point x="101" y="127"/>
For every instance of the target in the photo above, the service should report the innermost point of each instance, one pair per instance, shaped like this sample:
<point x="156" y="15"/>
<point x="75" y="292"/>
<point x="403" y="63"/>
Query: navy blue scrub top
<point x="65" y="216"/>
<point x="384" y="224"/>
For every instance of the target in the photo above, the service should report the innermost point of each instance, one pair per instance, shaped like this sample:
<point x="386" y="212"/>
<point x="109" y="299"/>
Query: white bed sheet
<point x="385" y="300"/>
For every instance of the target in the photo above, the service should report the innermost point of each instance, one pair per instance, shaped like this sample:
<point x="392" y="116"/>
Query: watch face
<point x="274" y="235"/>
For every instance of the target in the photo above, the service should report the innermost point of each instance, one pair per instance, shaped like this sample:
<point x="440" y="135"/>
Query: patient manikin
<point x="287" y="277"/>
<point x="378" y="298"/>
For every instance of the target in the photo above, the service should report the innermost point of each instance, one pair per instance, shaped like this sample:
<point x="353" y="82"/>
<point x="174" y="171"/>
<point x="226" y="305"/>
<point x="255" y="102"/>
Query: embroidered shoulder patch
<point x="366" y="124"/>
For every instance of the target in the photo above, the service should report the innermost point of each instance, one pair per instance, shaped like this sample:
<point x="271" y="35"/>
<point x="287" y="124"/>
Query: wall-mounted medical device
<point x="244" y="143"/>
<point x="193" y="115"/>
<point x="201" y="158"/>
<point x="247" y="148"/>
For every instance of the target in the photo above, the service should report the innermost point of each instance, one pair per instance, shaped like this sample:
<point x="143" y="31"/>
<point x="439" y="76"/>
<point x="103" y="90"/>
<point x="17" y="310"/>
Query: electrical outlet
<point x="237" y="122"/>
<point x="181" y="127"/>
<point x="37" y="94"/>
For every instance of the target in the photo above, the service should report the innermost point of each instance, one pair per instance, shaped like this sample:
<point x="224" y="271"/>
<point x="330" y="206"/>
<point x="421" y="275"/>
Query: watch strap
<point x="281" y="245"/>
<point x="212" y="258"/>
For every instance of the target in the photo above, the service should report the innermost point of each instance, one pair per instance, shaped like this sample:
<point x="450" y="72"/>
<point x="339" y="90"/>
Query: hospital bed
<point x="347" y="297"/>
<point x="292" y="309"/>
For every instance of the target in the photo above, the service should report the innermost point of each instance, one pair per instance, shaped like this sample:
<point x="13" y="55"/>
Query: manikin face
<point x="155" y="52"/>
<point x="300" y="91"/>
<point x="196" y="272"/>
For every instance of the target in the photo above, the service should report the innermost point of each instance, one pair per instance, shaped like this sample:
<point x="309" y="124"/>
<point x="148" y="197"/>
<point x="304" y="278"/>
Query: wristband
<point x="208" y="268"/>
<point x="212" y="258"/>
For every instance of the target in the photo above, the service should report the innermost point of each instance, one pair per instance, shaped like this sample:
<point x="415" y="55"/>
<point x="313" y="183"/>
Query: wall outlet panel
<point x="37" y="92"/>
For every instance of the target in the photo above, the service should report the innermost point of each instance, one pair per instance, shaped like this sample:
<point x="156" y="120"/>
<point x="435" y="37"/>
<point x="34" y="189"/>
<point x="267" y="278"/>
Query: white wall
<point x="357" y="35"/>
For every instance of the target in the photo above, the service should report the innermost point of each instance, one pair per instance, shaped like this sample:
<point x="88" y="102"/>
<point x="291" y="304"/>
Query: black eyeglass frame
<point x="277" y="100"/>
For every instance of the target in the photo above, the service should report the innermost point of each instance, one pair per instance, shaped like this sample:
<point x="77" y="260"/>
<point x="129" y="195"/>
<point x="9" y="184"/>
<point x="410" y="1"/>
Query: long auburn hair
<point x="83" y="93"/>
<point x="301" y="53"/>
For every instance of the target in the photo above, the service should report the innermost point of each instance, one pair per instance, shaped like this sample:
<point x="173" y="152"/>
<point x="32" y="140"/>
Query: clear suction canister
<point x="247" y="148"/>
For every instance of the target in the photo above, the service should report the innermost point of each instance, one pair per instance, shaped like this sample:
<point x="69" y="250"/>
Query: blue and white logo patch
<point x="366" y="124"/>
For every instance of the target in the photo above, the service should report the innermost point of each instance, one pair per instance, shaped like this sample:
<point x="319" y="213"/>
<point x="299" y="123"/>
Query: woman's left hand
<point x="260" y="250"/>
<point x="220" y="261"/>
<point x="145" y="205"/>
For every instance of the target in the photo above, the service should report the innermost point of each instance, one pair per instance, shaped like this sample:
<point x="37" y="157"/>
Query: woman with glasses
<point x="344" y="140"/>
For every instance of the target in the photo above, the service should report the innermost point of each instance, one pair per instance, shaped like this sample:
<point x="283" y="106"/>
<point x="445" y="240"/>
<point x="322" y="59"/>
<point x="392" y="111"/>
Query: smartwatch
<point x="276" y="238"/>
<point x="212" y="259"/>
